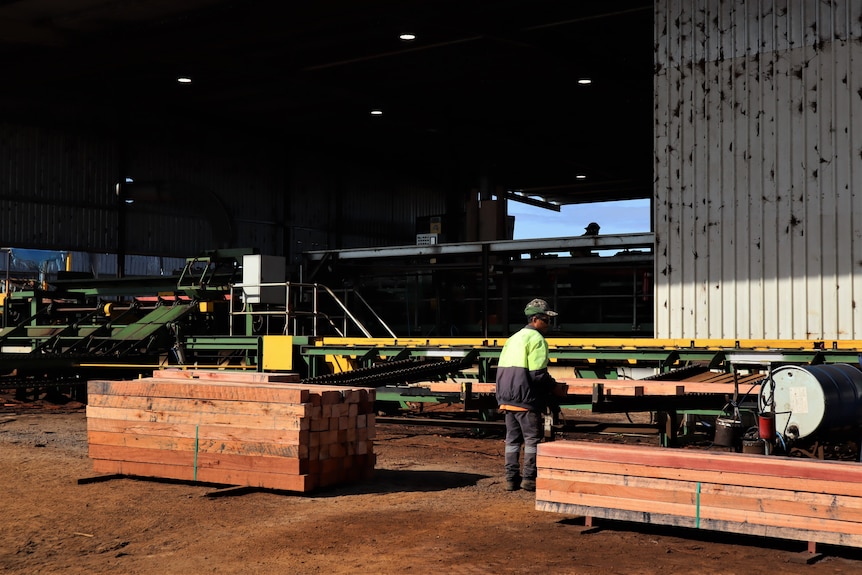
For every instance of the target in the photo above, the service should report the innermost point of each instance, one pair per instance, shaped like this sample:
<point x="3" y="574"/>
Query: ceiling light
<point x="584" y="81"/>
<point x="376" y="112"/>
<point x="407" y="37"/>
<point x="581" y="177"/>
<point x="184" y="80"/>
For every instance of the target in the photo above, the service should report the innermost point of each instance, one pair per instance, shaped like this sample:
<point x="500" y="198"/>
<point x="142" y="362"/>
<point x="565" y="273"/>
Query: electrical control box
<point x="258" y="270"/>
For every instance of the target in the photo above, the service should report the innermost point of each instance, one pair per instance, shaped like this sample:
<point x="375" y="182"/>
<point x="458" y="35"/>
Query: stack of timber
<point x="709" y="382"/>
<point x="787" y="498"/>
<point x="243" y="429"/>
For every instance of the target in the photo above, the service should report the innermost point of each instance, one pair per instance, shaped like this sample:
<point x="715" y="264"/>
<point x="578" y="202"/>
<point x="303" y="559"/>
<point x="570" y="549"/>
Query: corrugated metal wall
<point x="758" y="127"/>
<point x="58" y="191"/>
<point x="214" y="195"/>
<point x="356" y="204"/>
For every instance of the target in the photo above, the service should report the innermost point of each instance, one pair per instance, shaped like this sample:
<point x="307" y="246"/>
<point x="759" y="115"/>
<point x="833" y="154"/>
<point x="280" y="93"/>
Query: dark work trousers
<point x="522" y="428"/>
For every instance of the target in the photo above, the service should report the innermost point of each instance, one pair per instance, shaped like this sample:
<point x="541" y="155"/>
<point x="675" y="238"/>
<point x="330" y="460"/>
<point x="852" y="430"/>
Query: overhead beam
<point x="606" y="242"/>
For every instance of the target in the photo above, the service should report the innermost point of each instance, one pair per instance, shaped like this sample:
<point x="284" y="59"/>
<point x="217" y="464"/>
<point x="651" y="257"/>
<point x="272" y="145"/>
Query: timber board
<point x="192" y="389"/>
<point x="220" y="476"/>
<point x="227" y="419"/>
<point x="191" y="430"/>
<point x="199" y="444"/>
<point x="701" y="460"/>
<point x="278" y="465"/>
<point x="704" y="524"/>
<point x="203" y="406"/>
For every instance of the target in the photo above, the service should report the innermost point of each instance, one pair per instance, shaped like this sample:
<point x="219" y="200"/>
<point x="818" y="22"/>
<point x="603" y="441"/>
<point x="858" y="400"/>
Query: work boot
<point x="513" y="483"/>
<point x="528" y="484"/>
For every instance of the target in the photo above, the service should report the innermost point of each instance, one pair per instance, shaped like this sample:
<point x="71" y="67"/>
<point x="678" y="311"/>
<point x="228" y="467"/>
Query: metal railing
<point x="265" y="300"/>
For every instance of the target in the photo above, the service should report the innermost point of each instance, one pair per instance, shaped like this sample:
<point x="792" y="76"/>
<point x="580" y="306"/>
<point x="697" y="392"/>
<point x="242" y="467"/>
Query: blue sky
<point x="624" y="217"/>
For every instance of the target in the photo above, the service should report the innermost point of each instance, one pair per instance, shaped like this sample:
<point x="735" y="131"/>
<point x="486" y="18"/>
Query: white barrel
<point x="813" y="398"/>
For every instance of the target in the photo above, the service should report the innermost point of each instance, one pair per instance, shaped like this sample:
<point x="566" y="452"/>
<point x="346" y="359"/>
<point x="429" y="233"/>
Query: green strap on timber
<point x="196" y="455"/>
<point x="697" y="515"/>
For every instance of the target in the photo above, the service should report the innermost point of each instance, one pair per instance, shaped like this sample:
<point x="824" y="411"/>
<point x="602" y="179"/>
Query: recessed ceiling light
<point x="584" y="81"/>
<point x="184" y="80"/>
<point x="581" y="177"/>
<point x="407" y="37"/>
<point x="376" y="112"/>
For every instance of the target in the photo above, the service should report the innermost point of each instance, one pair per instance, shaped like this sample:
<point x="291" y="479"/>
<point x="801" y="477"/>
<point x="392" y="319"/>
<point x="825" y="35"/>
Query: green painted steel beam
<point x="399" y="398"/>
<point x="603" y="354"/>
<point x="228" y="342"/>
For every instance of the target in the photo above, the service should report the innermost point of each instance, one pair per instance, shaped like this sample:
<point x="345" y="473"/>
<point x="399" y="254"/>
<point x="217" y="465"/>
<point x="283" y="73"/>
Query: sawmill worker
<point x="525" y="390"/>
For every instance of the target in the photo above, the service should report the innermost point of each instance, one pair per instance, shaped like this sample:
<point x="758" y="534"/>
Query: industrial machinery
<point x="602" y="285"/>
<point x="236" y="309"/>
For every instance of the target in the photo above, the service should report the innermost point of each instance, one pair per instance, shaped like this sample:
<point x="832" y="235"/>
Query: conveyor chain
<point x="10" y="382"/>
<point x="389" y="372"/>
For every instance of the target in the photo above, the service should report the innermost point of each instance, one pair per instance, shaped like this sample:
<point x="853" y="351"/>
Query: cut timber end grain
<point x="249" y="430"/>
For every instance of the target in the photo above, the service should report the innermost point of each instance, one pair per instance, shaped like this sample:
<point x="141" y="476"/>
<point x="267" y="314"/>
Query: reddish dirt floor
<point x="436" y="504"/>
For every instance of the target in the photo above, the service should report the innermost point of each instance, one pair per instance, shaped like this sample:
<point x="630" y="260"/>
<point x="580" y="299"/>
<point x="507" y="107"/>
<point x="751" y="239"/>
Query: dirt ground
<point x="436" y="504"/>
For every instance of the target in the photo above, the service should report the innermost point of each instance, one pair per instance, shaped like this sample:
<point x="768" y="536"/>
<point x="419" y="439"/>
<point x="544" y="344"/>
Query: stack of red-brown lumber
<point x="232" y="428"/>
<point x="790" y="498"/>
<point x="709" y="382"/>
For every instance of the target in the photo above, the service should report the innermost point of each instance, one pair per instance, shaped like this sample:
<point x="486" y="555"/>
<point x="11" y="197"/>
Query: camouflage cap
<point x="538" y="306"/>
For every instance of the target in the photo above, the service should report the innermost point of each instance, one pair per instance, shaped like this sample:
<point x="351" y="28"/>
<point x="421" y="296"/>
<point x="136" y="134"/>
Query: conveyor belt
<point x="390" y="372"/>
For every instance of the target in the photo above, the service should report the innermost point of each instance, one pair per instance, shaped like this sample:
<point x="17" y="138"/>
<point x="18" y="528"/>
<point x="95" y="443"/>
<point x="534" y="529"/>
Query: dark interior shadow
<point x="403" y="480"/>
<point x="383" y="481"/>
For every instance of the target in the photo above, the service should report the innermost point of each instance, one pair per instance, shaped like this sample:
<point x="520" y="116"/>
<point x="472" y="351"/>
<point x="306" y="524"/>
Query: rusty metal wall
<point x="758" y="161"/>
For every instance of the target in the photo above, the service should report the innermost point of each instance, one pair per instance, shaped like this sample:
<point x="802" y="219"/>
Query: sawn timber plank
<point x="191" y="430"/>
<point x="220" y="476"/>
<point x="841" y="471"/>
<point x="279" y="465"/>
<point x="186" y="389"/>
<point x="697" y="513"/>
<point x="718" y="477"/>
<point x="208" y="406"/>
<point x="709" y="524"/>
<point x="199" y="444"/>
<point x="706" y="495"/>
<point x="794" y="499"/>
<point x="243" y="421"/>
<point x="233" y="375"/>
